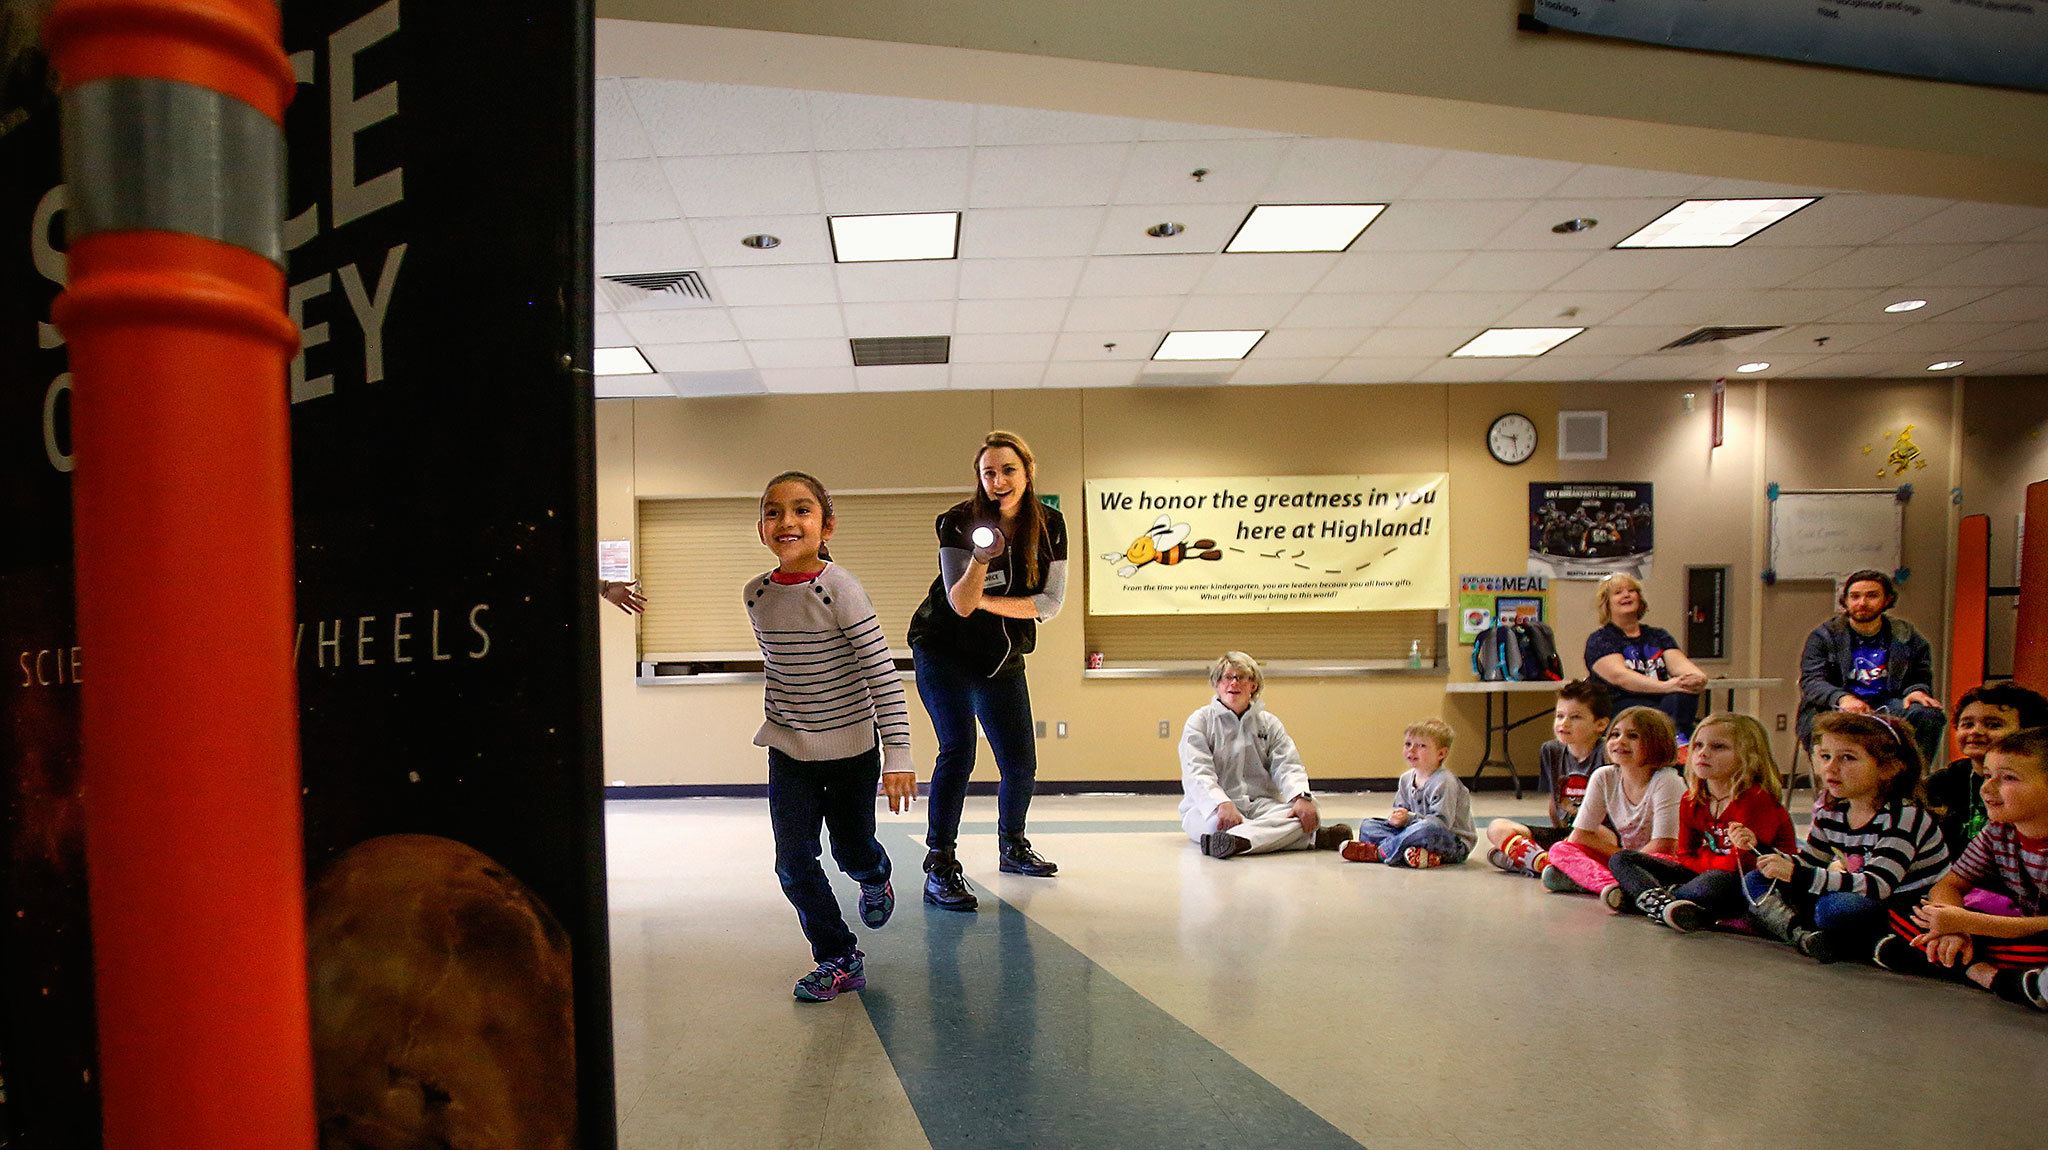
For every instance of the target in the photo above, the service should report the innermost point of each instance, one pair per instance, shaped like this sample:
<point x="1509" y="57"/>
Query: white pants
<point x="1269" y="825"/>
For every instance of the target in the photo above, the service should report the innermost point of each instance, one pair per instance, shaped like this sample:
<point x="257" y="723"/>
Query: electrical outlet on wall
<point x="1060" y="729"/>
<point x="1163" y="728"/>
<point x="1040" y="724"/>
<point x="1781" y="721"/>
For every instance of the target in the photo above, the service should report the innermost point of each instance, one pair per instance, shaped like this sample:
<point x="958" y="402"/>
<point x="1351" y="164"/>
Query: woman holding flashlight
<point x="1002" y="571"/>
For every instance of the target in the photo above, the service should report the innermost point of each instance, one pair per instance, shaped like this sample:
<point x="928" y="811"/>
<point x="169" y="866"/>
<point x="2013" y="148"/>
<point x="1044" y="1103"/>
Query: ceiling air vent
<point x="894" y="350"/>
<point x="657" y="289"/>
<point x="1715" y="335"/>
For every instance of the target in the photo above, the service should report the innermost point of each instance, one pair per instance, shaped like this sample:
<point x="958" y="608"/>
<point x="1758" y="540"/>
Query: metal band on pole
<point x="174" y="316"/>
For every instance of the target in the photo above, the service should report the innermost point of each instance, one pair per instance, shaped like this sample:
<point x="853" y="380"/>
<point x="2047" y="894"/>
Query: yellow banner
<point x="1254" y="544"/>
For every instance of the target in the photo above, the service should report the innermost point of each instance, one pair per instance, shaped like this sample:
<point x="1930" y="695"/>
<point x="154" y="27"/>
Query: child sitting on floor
<point x="1734" y="805"/>
<point x="1568" y="762"/>
<point x="1431" y="823"/>
<point x="1631" y="804"/>
<point x="1982" y="715"/>
<point x="2006" y="954"/>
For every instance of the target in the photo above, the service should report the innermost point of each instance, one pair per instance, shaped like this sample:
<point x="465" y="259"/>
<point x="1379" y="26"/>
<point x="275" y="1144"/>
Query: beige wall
<point x="2004" y="449"/>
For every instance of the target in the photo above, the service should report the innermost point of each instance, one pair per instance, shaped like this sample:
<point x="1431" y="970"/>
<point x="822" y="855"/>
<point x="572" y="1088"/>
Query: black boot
<point x="1015" y="856"/>
<point x="944" y="887"/>
<point x="1777" y="919"/>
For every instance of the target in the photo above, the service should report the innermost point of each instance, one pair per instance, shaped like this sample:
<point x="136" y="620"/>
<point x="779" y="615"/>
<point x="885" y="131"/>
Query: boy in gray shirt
<point x="1431" y="823"/>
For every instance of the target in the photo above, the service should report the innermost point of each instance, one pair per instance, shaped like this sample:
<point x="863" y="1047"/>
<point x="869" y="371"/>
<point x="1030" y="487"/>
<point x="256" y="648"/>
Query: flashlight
<point x="984" y="536"/>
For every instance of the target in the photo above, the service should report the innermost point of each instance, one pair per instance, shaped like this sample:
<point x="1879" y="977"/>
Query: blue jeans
<point x="955" y="697"/>
<point x="1856" y="916"/>
<point x="1430" y="833"/>
<point x="838" y="794"/>
<point x="1716" y="892"/>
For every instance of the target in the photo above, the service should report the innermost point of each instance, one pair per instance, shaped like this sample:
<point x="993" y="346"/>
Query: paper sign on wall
<point x="1258" y="544"/>
<point x="615" y="560"/>
<point x="1484" y="600"/>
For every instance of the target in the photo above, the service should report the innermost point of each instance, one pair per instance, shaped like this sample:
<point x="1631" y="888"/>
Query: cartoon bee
<point x="1165" y="542"/>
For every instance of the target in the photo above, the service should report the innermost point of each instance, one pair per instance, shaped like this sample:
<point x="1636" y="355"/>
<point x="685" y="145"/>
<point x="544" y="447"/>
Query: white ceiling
<point x="1057" y="284"/>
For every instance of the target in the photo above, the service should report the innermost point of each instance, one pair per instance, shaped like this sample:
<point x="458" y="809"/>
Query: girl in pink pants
<point x="1631" y="804"/>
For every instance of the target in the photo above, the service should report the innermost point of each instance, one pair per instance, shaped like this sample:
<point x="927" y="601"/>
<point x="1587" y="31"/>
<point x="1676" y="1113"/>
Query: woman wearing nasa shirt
<point x="1002" y="571"/>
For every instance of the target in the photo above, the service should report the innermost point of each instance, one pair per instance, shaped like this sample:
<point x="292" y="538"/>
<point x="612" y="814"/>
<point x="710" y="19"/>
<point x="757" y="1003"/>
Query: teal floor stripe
<point x="1005" y="1036"/>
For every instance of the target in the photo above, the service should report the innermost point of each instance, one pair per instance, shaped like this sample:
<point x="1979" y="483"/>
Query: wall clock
<point x="1512" y="438"/>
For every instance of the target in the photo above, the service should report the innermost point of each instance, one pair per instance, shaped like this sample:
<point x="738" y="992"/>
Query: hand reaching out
<point x="625" y="596"/>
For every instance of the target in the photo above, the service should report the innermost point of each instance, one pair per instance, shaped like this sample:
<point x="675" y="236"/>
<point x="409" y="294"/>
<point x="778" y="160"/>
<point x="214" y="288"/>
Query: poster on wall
<point x="1258" y="544"/>
<point x="1590" y="530"/>
<point x="49" y="1095"/>
<point x="1484" y="600"/>
<point x="1996" y="42"/>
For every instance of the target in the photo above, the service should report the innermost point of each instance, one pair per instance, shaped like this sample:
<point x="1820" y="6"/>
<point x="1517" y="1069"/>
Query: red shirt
<point x="1703" y="839"/>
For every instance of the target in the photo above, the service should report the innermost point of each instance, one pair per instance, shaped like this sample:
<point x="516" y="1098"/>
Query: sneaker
<point x="834" y="977"/>
<point x="1500" y="861"/>
<point x="1223" y="845"/>
<point x="877" y="903"/>
<point x="1898" y="956"/>
<point x="1421" y="858"/>
<point x="1358" y="850"/>
<point x="1332" y="837"/>
<point x="1815" y="945"/>
<point x="1559" y="882"/>
<point x="1682" y="915"/>
<point x="1613" y="896"/>
<point x="1015" y="856"/>
<point x="944" y="886"/>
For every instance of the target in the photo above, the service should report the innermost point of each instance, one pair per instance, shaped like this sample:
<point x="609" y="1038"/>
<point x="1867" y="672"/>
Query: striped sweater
<point x="1899" y="851"/>
<point x="832" y="681"/>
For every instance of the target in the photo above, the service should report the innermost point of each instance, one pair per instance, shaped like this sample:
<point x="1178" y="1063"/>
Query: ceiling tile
<point x="906" y="180"/>
<point x="1563" y="369"/>
<point x="1468" y="370"/>
<point x="1026" y="347"/>
<point x="1877" y="267"/>
<point x="680" y="325"/>
<point x="1936" y="338"/>
<point x="1724" y="308"/>
<point x="775" y="284"/>
<point x="1627" y="342"/>
<point x="912" y="317"/>
<point x="1115" y="373"/>
<point x="1001" y="233"/>
<point x="1208" y="228"/>
<point x="1340" y="311"/>
<point x="1345" y="172"/>
<point x="1175" y="130"/>
<point x="1142" y="275"/>
<point x="1262" y="372"/>
<point x="632" y="190"/>
<point x="650" y="246"/>
<point x="1135" y="312"/>
<point x="902" y="377"/>
<point x="803" y="240"/>
<point x="1757" y="267"/>
<point x="1162" y="172"/>
<point x="1939" y="301"/>
<point x="900" y="280"/>
<point x="2000" y="266"/>
<point x="1439" y="225"/>
<point x="1616" y="220"/>
<point x="804" y="321"/>
<point x="995" y="376"/>
<point x="1661" y="367"/>
<point x="1088" y="346"/>
<point x="1845" y="218"/>
<point x="807" y="380"/>
<point x="2012" y="305"/>
<point x="1511" y="271"/>
<point x="2034" y="364"/>
<point x="1232" y="312"/>
<point x="1008" y="315"/>
<point x="1632" y="270"/>
<point x="633" y="387"/>
<point x="1457" y="309"/>
<point x="779" y="353"/>
<point x="845" y="122"/>
<point x="1484" y="176"/>
<point x="1970" y="223"/>
<point x="1017" y="278"/>
<point x="2015" y="338"/>
<point x="1310" y="343"/>
<point x="1840" y="337"/>
<point x="1265" y="274"/>
<point x="1585" y="308"/>
<point x="778" y="184"/>
<point x="1049" y="175"/>
<point x="609" y="332"/>
<point x="1735" y="189"/>
<point x="999" y="126"/>
<point x="692" y="119"/>
<point x="697" y="384"/>
<point x="1434" y="342"/>
<point x="1384" y="271"/>
<point x="1859" y="365"/>
<point x="618" y="126"/>
<point x="1598" y="181"/>
<point x="1380" y="369"/>
<point x="687" y="357"/>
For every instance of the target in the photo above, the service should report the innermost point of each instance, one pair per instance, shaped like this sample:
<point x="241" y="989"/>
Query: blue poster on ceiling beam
<point x="1994" y="42"/>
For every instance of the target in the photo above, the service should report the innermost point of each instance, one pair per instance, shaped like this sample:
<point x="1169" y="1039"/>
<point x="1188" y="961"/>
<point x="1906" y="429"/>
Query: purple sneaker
<point x="834" y="976"/>
<point x="877" y="903"/>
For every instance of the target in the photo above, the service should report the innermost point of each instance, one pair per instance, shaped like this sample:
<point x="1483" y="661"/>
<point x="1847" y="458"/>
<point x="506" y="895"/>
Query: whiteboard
<point x="1827" y="534"/>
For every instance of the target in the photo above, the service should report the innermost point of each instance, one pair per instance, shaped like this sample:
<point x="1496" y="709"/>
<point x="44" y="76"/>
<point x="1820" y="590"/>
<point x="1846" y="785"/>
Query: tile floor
<point x="1152" y="997"/>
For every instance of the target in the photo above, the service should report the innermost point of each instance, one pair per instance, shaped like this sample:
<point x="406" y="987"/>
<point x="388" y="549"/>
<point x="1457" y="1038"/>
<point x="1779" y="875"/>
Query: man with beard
<point x="1864" y="660"/>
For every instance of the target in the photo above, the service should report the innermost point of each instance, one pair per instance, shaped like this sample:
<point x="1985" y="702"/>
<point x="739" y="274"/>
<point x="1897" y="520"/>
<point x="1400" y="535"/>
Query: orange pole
<point x="179" y="345"/>
<point x="2030" y="640"/>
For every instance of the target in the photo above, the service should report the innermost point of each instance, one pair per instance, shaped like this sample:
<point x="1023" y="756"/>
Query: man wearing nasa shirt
<point x="1864" y="660"/>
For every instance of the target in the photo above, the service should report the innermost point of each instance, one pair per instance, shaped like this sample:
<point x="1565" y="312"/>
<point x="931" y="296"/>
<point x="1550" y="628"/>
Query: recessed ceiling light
<point x="1208" y="344"/>
<point x="1712" y="223"/>
<point x="1945" y="365"/>
<point x="1504" y="342"/>
<point x="1575" y="224"/>
<point x="1906" y="305"/>
<point x="1164" y="229"/>
<point x="620" y="361"/>
<point x="761" y="241"/>
<point x="906" y="236"/>
<point x="1302" y="227"/>
<point x="1752" y="368"/>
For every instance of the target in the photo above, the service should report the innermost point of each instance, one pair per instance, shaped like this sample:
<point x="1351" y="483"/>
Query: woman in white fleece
<point x="1246" y="790"/>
